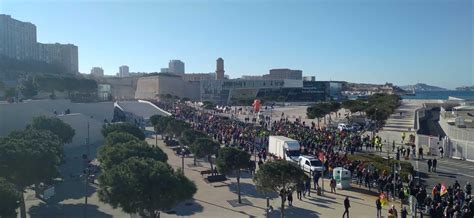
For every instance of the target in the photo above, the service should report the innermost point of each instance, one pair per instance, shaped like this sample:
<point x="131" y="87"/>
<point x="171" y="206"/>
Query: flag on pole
<point x="443" y="190"/>
<point x="383" y="199"/>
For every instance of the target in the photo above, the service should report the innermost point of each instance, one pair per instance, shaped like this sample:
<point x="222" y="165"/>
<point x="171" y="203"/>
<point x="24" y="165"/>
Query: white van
<point x="310" y="164"/>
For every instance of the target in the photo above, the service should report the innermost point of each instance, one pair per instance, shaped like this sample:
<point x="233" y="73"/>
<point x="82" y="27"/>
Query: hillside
<point x="422" y="87"/>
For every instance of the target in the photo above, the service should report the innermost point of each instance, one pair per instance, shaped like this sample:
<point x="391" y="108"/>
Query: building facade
<point x="176" y="67"/>
<point x="97" y="72"/>
<point x="17" y="39"/>
<point x="198" y="76"/>
<point x="284" y="73"/>
<point x="124" y="71"/>
<point x="65" y="55"/>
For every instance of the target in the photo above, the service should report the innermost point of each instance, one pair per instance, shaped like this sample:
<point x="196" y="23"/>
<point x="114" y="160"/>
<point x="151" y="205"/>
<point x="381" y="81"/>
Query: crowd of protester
<point x="331" y="146"/>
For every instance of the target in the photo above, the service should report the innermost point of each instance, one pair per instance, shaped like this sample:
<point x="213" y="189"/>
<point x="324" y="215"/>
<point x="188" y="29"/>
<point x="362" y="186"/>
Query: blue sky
<point x="373" y="41"/>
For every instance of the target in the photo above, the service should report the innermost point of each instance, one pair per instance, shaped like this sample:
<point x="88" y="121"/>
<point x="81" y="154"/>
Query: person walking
<point x="435" y="163"/>
<point x="290" y="198"/>
<point x="420" y="153"/>
<point x="308" y="186"/>
<point x="378" y="205"/>
<point x="299" y="190"/>
<point x="430" y="163"/>
<point x="347" y="205"/>
<point x="404" y="212"/>
<point x="333" y="185"/>
<point x="441" y="151"/>
<point x="316" y="176"/>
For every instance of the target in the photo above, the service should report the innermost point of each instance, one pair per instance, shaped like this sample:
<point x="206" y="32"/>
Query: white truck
<point x="284" y="148"/>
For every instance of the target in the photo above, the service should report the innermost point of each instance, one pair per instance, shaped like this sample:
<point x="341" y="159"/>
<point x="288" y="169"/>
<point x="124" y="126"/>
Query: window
<point x="307" y="163"/>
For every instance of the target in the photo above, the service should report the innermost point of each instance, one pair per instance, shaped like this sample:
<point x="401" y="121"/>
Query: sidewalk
<point x="220" y="199"/>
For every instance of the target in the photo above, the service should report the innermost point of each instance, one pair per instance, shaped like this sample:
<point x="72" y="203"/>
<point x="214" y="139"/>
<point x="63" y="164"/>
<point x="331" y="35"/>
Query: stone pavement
<point x="219" y="199"/>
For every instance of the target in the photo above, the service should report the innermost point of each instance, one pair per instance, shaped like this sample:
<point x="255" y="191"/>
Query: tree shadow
<point x="188" y="208"/>
<point x="66" y="210"/>
<point x="293" y="212"/>
<point x="71" y="190"/>
<point x="247" y="189"/>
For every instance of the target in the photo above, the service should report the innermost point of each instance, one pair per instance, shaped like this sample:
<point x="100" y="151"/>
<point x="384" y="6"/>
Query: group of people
<point x="332" y="147"/>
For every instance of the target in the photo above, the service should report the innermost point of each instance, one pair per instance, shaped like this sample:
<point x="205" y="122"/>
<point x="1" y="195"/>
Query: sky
<point x="370" y="41"/>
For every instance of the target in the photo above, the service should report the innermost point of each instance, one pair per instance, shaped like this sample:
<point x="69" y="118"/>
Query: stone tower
<point x="220" y="69"/>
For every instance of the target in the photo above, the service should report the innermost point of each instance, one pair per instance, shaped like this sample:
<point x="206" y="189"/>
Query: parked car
<point x="343" y="127"/>
<point x="310" y="164"/>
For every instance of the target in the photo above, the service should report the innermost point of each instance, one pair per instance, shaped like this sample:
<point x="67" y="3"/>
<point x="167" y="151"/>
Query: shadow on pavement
<point x="294" y="212"/>
<point x="65" y="210"/>
<point x="188" y="208"/>
<point x="373" y="191"/>
<point x="247" y="189"/>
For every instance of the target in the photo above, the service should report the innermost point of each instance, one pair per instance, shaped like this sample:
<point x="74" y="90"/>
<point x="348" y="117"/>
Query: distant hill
<point x="422" y="87"/>
<point x="465" y="88"/>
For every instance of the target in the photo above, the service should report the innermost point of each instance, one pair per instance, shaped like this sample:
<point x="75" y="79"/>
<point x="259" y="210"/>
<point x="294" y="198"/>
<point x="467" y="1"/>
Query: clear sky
<point x="373" y="41"/>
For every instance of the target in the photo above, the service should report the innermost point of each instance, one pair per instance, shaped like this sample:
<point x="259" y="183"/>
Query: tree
<point x="188" y="136"/>
<point x="120" y="137"/>
<point x="317" y="111"/>
<point x="63" y="130"/>
<point x="176" y="127"/>
<point x="28" y="87"/>
<point x="29" y="157"/>
<point x="110" y="156"/>
<point x="203" y="147"/>
<point x="232" y="159"/>
<point x="160" y="123"/>
<point x="123" y="127"/>
<point x="354" y="105"/>
<point x="9" y="200"/>
<point x="279" y="176"/>
<point x="144" y="186"/>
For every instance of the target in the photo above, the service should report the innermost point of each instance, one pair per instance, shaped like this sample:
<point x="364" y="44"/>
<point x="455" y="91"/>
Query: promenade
<point x="220" y="199"/>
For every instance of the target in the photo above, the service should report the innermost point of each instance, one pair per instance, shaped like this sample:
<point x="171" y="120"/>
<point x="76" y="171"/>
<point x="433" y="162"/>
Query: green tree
<point x="233" y="160"/>
<point x="120" y="137"/>
<point x="317" y="111"/>
<point x="204" y="147"/>
<point x="9" y="200"/>
<point x="354" y="105"/>
<point x="123" y="127"/>
<point x="160" y="123"/>
<point x="110" y="156"/>
<point x="10" y="93"/>
<point x="28" y="87"/>
<point x="29" y="157"/>
<point x="279" y="176"/>
<point x="176" y="127"/>
<point x="63" y="130"/>
<point x="188" y="136"/>
<point x="144" y="186"/>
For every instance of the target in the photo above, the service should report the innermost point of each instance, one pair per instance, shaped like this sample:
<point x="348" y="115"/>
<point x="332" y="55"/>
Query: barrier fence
<point x="453" y="148"/>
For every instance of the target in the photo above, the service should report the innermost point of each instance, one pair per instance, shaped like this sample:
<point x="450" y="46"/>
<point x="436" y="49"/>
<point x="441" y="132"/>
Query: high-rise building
<point x="17" y="39"/>
<point x="124" y="71"/>
<point x="176" y="67"/>
<point x="97" y="72"/>
<point x="65" y="55"/>
<point x="309" y="78"/>
<point x="220" y="69"/>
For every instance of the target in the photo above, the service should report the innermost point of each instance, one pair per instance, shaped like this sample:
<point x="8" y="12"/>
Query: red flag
<point x="443" y="190"/>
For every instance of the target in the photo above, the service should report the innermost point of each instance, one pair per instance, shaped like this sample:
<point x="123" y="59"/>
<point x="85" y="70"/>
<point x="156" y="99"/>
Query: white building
<point x="176" y="67"/>
<point x="124" y="71"/>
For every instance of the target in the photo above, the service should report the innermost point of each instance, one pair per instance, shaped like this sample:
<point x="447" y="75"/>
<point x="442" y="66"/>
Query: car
<point x="310" y="164"/>
<point x="343" y="127"/>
